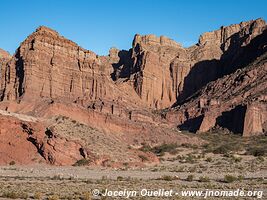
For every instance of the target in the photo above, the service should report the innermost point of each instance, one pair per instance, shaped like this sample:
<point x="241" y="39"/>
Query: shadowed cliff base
<point x="233" y="120"/>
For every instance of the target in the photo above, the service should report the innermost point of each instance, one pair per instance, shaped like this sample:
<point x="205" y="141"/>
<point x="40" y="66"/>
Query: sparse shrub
<point x="15" y="195"/>
<point x="257" y="151"/>
<point x="160" y="150"/>
<point x="192" y="169"/>
<point x="12" y="162"/>
<point x="204" y="179"/>
<point x="143" y="158"/>
<point x="237" y="159"/>
<point x="119" y="178"/>
<point x="240" y="178"/>
<point x="37" y="195"/>
<point x="190" y="159"/>
<point x="209" y="159"/>
<point x="229" y="178"/>
<point x="180" y="169"/>
<point x="82" y="162"/>
<point x="10" y="195"/>
<point x="228" y="142"/>
<point x="188" y="145"/>
<point x="74" y="121"/>
<point x="53" y="197"/>
<point x="23" y="195"/>
<point x="179" y="157"/>
<point x="190" y="177"/>
<point x="223" y="149"/>
<point x="56" y="177"/>
<point x="168" y="178"/>
<point x="145" y="148"/>
<point x="174" y="151"/>
<point x="86" y="196"/>
<point x="260" y="158"/>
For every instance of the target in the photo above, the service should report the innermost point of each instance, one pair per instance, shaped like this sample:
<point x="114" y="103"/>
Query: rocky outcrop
<point x="14" y="146"/>
<point x="4" y="58"/>
<point x="51" y="66"/>
<point x="4" y="54"/>
<point x="67" y="141"/>
<point x="162" y="72"/>
<point x="155" y="72"/>
<point x="255" y="118"/>
<point x="151" y="75"/>
<point x="30" y="142"/>
<point x="218" y="53"/>
<point x="236" y="102"/>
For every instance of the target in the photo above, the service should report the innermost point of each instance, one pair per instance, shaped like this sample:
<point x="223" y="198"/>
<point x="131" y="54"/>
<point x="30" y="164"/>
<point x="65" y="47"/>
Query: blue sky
<point x="98" y="25"/>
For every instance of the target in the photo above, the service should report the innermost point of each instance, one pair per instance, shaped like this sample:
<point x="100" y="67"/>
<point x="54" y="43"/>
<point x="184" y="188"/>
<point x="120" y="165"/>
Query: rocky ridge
<point x="236" y="102"/>
<point x="222" y="77"/>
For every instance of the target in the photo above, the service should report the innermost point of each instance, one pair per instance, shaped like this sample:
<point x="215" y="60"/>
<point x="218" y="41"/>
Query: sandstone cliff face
<point x="208" y="85"/>
<point x="30" y="142"/>
<point x="48" y="65"/>
<point x="255" y="119"/>
<point x="151" y="74"/>
<point x="162" y="72"/>
<point x="156" y="72"/>
<point x="4" y="58"/>
<point x="236" y="102"/>
<point x="4" y="54"/>
<point x="217" y="53"/>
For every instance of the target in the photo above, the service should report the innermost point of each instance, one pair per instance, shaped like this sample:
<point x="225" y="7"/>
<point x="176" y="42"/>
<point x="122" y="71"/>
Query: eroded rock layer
<point x="156" y="72"/>
<point x="236" y="102"/>
<point x="219" y="82"/>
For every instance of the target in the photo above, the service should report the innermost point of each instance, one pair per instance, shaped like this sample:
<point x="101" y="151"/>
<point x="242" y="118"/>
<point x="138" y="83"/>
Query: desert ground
<point x="227" y="165"/>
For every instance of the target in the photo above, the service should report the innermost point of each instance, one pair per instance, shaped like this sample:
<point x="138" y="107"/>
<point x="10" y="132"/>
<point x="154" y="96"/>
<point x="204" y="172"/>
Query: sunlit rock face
<point x="200" y="82"/>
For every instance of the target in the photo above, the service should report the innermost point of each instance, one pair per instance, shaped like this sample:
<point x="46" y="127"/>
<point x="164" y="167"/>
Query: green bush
<point x="53" y="197"/>
<point x="82" y="162"/>
<point x="190" y="178"/>
<point x="164" y="148"/>
<point x="256" y="151"/>
<point x="223" y="149"/>
<point x="168" y="178"/>
<point x="260" y="158"/>
<point x="204" y="179"/>
<point x="237" y="159"/>
<point x="188" y="145"/>
<point x="86" y="196"/>
<point x="145" y="148"/>
<point x="209" y="159"/>
<point x="190" y="159"/>
<point x="37" y="195"/>
<point x="229" y="178"/>
<point x="143" y="158"/>
<point x="15" y="195"/>
<point x="10" y="195"/>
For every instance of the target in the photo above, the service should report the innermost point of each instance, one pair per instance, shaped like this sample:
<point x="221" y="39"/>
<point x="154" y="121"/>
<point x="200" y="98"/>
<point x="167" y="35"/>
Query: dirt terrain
<point x="181" y="168"/>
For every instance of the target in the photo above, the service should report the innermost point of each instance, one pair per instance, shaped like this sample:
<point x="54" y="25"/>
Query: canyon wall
<point x="156" y="73"/>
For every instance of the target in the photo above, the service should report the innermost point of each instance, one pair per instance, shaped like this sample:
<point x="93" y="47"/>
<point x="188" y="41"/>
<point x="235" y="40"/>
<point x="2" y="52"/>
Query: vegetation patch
<point x="82" y="162"/>
<point x="160" y="150"/>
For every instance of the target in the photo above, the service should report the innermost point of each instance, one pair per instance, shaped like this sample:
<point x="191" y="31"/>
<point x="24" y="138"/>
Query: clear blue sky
<point x="98" y="25"/>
